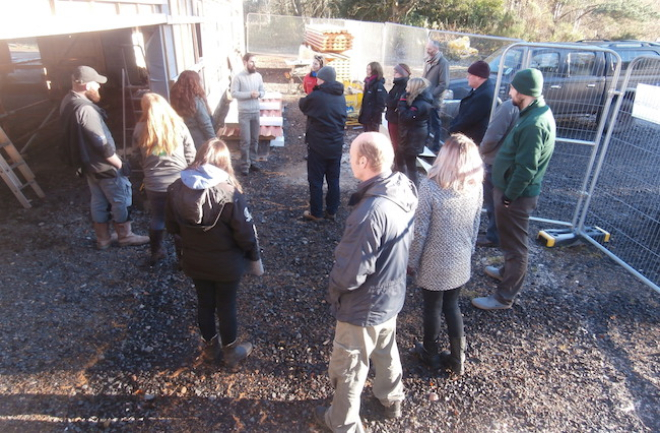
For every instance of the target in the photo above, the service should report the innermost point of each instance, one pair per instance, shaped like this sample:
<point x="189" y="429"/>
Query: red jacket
<point x="309" y="83"/>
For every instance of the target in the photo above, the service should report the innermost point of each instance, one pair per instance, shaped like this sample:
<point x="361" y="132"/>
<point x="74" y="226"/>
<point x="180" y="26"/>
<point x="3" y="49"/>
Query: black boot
<point x="454" y="359"/>
<point x="156" y="244"/>
<point x="428" y="357"/>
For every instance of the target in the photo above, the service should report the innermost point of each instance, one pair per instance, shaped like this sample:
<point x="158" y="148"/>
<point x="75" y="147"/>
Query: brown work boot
<point x="126" y="237"/>
<point x="103" y="237"/>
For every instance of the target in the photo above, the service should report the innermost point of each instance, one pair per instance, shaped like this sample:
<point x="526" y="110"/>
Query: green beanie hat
<point x="528" y="82"/>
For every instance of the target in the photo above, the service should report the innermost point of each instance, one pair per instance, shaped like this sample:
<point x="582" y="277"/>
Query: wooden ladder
<point x="10" y="160"/>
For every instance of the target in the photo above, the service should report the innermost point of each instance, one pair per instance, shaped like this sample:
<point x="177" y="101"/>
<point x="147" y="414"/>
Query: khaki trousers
<point x="353" y="347"/>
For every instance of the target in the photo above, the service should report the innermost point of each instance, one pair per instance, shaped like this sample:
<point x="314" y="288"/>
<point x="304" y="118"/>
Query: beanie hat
<point x="403" y="69"/>
<point x="326" y="73"/>
<point x="528" y="82"/>
<point x="480" y="69"/>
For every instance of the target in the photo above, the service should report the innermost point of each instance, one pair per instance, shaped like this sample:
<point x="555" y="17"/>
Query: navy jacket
<point x="474" y="113"/>
<point x="373" y="102"/>
<point x="325" y="109"/>
<point x="414" y="123"/>
<point x="396" y="92"/>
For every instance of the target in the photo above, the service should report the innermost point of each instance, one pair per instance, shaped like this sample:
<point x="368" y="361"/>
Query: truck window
<point x="628" y="56"/>
<point x="581" y="63"/>
<point x="546" y="62"/>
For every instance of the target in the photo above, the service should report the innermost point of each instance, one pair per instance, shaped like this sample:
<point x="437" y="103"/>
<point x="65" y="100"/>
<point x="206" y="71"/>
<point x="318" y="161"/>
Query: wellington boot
<point x="211" y="351"/>
<point x="235" y="353"/>
<point x="156" y="244"/>
<point x="454" y="359"/>
<point x="103" y="237"/>
<point x="127" y="237"/>
<point x="430" y="358"/>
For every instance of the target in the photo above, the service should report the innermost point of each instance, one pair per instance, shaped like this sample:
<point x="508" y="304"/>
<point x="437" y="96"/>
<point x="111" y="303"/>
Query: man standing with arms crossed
<point x="90" y="145"/>
<point x="247" y="87"/>
<point x="436" y="70"/>
<point x="367" y="285"/>
<point x="518" y="173"/>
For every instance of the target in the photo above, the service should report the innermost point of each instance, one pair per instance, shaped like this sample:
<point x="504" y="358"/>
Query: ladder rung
<point x="16" y="164"/>
<point x="5" y="144"/>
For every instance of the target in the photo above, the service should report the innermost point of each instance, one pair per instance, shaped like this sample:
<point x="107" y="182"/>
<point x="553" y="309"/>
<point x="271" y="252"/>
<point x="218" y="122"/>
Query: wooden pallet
<point x="327" y="40"/>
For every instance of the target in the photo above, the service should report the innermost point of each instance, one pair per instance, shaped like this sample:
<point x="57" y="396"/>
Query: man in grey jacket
<point x="436" y="70"/>
<point x="367" y="285"/>
<point x="247" y="87"/>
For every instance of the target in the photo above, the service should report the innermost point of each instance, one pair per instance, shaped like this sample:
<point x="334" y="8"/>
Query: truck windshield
<point x="511" y="61"/>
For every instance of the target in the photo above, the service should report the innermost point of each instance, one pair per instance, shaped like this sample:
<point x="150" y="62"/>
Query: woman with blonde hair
<point x="207" y="208"/>
<point x="166" y="148"/>
<point x="414" y="108"/>
<point x="446" y="228"/>
<point x="189" y="100"/>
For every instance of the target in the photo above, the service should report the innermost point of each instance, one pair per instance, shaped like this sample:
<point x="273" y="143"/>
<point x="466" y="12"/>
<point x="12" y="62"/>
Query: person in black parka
<point x="414" y="110"/>
<point x="401" y="75"/>
<point x="325" y="109"/>
<point x="373" y="98"/>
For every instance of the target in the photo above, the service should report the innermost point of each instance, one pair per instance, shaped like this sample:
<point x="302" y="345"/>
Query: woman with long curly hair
<point x="207" y="208"/>
<point x="188" y="98"/>
<point x="446" y="228"/>
<point x="166" y="148"/>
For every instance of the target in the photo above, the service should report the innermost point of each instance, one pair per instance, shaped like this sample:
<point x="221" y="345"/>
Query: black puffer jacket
<point x="373" y="102"/>
<point x="325" y="109"/>
<point x="397" y="91"/>
<point x="213" y="220"/>
<point x="414" y="123"/>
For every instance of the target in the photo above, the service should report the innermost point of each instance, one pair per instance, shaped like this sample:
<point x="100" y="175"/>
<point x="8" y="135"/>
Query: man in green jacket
<point x="517" y="176"/>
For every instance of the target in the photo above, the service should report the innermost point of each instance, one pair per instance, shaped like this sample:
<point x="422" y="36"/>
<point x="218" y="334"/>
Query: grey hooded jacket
<point x="367" y="284"/>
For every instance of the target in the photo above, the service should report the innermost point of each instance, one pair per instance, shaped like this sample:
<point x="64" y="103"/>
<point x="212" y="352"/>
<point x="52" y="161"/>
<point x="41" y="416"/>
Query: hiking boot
<point x="432" y="360"/>
<point x="307" y="215"/>
<point x="329" y="216"/>
<point x="126" y="237"/>
<point x="393" y="411"/>
<point x="490" y="303"/>
<point x="235" y="353"/>
<point x="494" y="272"/>
<point x="103" y="237"/>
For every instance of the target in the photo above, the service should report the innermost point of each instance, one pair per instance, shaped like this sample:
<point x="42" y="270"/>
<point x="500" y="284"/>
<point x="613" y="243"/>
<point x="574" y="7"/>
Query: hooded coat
<point x="414" y="123"/>
<point x="367" y="284"/>
<point x="216" y="227"/>
<point x="325" y="109"/>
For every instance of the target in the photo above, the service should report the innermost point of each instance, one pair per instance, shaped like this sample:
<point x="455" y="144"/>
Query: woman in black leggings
<point x="446" y="228"/>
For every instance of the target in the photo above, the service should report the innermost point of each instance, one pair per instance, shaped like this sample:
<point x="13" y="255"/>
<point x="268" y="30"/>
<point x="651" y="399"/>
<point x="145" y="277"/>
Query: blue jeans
<point x="111" y="199"/>
<point x="489" y="204"/>
<point x="157" y="200"/>
<point x="436" y="302"/>
<point x="249" y="134"/>
<point x="318" y="168"/>
<point x="217" y="297"/>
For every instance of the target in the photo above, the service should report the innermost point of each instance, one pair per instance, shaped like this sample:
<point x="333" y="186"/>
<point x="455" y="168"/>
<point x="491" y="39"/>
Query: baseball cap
<point x="86" y="74"/>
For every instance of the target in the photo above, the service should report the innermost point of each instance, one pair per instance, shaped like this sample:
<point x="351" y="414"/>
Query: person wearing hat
<point x="518" y="172"/>
<point x="400" y="81"/>
<point x="89" y="146"/>
<point x="325" y="109"/>
<point x="474" y="111"/>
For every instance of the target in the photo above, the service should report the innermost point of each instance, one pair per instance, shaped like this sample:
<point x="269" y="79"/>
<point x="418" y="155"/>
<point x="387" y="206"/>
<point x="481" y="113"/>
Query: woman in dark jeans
<point x="373" y="98"/>
<point x="166" y="148"/>
<point x="446" y="227"/>
<point x="207" y="208"/>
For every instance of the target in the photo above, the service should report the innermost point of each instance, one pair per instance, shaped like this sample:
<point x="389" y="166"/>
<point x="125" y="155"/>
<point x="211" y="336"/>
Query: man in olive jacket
<point x="518" y="172"/>
<point x="367" y="285"/>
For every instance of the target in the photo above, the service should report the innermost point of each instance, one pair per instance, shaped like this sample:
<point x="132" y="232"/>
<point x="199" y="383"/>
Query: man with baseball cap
<point x="518" y="172"/>
<point x="89" y="146"/>
<point x="474" y="111"/>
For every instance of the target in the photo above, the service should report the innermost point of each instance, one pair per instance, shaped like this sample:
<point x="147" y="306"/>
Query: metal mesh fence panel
<point x="275" y="35"/>
<point x="624" y="195"/>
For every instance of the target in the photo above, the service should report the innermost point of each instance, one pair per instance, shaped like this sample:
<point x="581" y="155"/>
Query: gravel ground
<point x="96" y="340"/>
